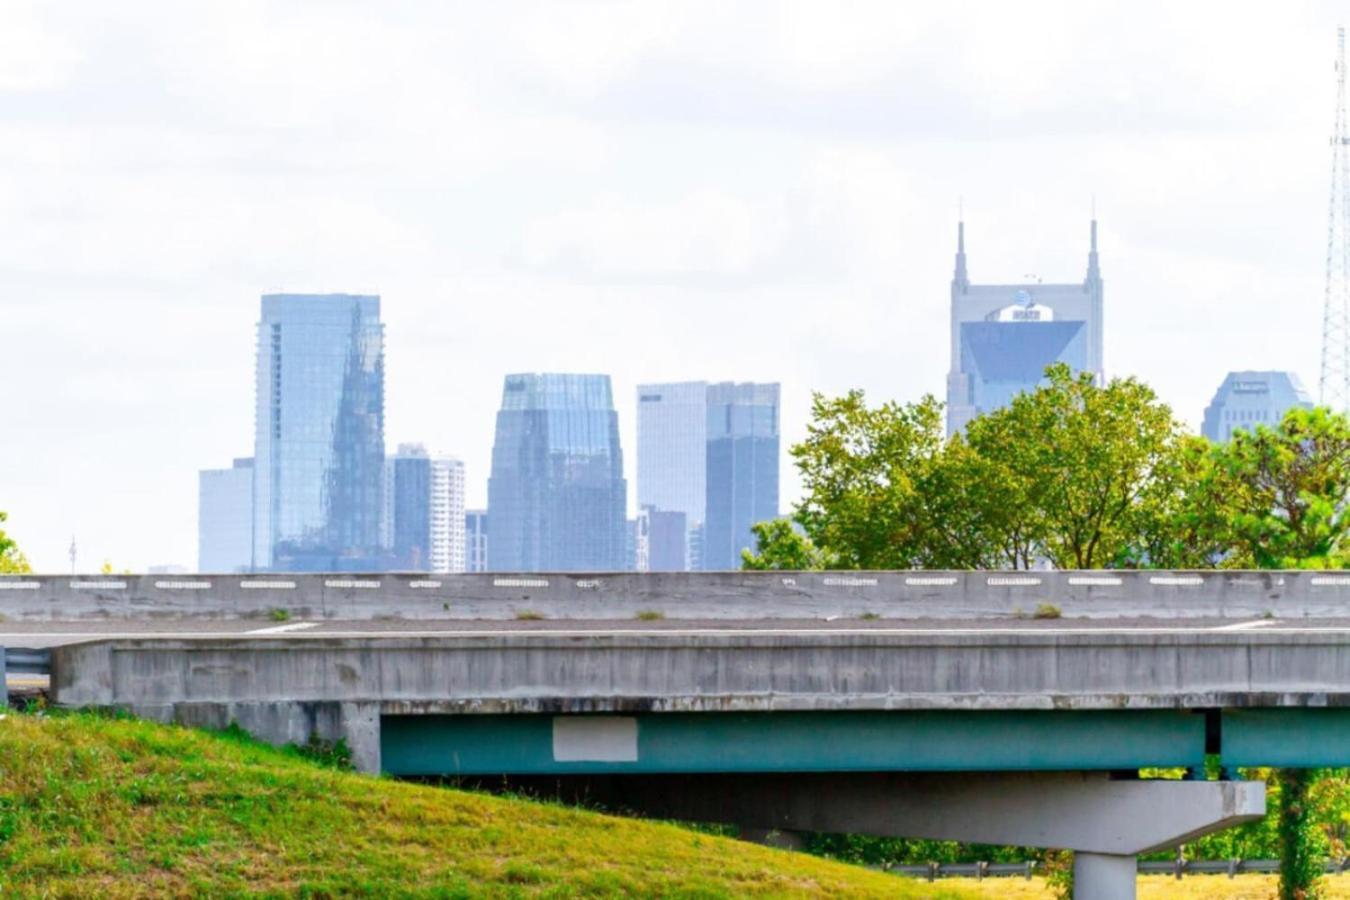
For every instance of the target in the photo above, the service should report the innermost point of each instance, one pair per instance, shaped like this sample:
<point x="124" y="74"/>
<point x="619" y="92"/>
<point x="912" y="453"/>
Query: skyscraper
<point x="742" y="469"/>
<point x="319" y="433"/>
<point x="225" y="518"/>
<point x="1248" y="399"/>
<point x="1005" y="335"/>
<point x="423" y="520"/>
<point x="476" y="540"/>
<point x="448" y="550"/>
<point x="557" y="495"/>
<point x="672" y="460"/>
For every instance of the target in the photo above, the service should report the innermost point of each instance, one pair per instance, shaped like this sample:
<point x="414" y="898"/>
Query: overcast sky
<point x="749" y="191"/>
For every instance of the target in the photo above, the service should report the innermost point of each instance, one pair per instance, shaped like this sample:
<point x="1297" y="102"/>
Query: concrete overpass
<point x="911" y="704"/>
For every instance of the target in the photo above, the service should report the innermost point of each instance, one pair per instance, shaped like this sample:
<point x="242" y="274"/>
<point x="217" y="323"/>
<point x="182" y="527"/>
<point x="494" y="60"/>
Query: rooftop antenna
<point x="72" y="554"/>
<point x="1334" y="384"/>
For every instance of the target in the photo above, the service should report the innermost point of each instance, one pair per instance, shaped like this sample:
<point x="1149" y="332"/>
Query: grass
<point x="650" y="615"/>
<point x="529" y="615"/>
<point x="1155" y="887"/>
<point x="279" y="615"/>
<point x="116" y="807"/>
<point x="1047" y="611"/>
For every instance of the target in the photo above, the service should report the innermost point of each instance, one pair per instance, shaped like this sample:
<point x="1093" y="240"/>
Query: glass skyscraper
<point x="319" y="433"/>
<point x="672" y="456"/>
<point x="742" y="469"/>
<point x="557" y="496"/>
<point x="1003" y="336"/>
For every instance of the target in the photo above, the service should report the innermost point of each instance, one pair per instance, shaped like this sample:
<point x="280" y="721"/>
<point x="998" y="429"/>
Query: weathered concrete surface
<point x="692" y="671"/>
<point x="1085" y="811"/>
<point x="729" y="595"/>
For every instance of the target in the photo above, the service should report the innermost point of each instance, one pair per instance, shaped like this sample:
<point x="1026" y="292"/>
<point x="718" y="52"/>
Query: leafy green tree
<point x="1289" y="488"/>
<point x="1187" y="521"/>
<point x="12" y="560"/>
<point x="781" y="546"/>
<point x="1088" y="462"/>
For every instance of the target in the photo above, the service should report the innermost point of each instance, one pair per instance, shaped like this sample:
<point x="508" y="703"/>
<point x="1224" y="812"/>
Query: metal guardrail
<point x="1229" y="867"/>
<point x="21" y="661"/>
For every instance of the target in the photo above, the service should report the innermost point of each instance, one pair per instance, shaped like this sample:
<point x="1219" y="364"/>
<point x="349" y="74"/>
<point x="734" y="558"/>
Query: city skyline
<point x="504" y="195"/>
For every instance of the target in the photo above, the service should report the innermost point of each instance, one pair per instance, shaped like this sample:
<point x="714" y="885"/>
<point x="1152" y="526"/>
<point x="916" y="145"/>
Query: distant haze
<point x="663" y="192"/>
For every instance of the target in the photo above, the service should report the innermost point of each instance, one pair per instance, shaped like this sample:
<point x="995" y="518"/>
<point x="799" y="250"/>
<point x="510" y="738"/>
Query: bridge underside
<point x="863" y="741"/>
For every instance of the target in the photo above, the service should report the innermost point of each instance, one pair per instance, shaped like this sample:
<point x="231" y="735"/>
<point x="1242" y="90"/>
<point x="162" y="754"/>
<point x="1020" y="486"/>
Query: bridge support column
<point x="1104" y="876"/>
<point x="360" y="728"/>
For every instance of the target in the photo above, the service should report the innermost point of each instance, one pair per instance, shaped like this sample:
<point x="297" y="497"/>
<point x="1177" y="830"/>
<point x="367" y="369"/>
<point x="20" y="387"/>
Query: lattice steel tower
<point x="1335" y="381"/>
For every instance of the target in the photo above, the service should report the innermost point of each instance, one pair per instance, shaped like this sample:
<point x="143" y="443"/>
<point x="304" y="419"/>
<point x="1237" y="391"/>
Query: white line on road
<point x="1247" y="626"/>
<point x="282" y="629"/>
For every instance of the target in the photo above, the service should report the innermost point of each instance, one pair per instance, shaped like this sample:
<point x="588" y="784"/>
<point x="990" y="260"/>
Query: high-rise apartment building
<point x="225" y="518"/>
<point x="476" y="540"/>
<point x="557" y="495"/>
<point x="1248" y="399"/>
<point x="741" y="469"/>
<point x="1003" y="336"/>
<point x="319" y="433"/>
<point x="448" y="549"/>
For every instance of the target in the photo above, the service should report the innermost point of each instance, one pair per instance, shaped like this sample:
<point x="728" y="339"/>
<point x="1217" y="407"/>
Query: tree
<point x="12" y="560"/>
<point x="1088" y="462"/>
<point x="1290" y="486"/>
<point x="781" y="546"/>
<point x="1187" y="520"/>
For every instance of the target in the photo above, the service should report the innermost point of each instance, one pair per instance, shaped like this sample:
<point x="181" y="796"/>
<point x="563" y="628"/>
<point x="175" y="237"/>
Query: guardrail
<point x="684" y="595"/>
<point x="1179" y="868"/>
<point x="21" y="661"/>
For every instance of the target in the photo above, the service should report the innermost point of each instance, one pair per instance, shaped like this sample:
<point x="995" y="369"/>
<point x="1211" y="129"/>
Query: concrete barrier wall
<point x="692" y="671"/>
<point x="730" y="595"/>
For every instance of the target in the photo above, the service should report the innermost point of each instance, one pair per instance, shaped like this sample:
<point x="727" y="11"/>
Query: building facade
<point x="1003" y="336"/>
<point x="672" y="456"/>
<point x="476" y="540"/>
<point x="423" y="521"/>
<point x="225" y="518"/>
<point x="448" y="539"/>
<point x="319" y="434"/>
<point x="557" y="496"/>
<point x="741" y="469"/>
<point x="1248" y="399"/>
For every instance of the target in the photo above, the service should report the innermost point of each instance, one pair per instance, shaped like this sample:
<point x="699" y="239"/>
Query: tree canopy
<point x="12" y="560"/>
<point x="1073" y="474"/>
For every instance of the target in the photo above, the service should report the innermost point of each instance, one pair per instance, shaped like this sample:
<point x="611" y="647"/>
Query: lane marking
<point x="1247" y="626"/>
<point x="282" y="629"/>
<point x="289" y="630"/>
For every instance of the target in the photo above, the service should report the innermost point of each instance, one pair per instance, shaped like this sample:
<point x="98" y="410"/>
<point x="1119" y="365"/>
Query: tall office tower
<point x="225" y="518"/>
<point x="557" y="496"/>
<point x="1248" y="399"/>
<point x="423" y="523"/>
<point x="742" y="469"/>
<point x="1005" y="335"/>
<point x="319" y="434"/>
<point x="476" y="540"/>
<point x="672" y="452"/>
<point x="667" y="540"/>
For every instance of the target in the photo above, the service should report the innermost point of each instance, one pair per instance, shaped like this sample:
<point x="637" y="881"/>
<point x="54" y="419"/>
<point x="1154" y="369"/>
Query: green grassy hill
<point x="92" y="806"/>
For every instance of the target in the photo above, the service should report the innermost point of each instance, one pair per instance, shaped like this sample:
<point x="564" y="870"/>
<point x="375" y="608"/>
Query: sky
<point x="657" y="191"/>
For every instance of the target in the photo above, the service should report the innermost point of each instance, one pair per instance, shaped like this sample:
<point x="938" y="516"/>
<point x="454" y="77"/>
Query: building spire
<point x="1094" y="272"/>
<point x="959" y="278"/>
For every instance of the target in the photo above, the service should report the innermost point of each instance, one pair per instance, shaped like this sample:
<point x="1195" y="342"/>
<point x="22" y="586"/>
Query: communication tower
<point x="1334" y="385"/>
